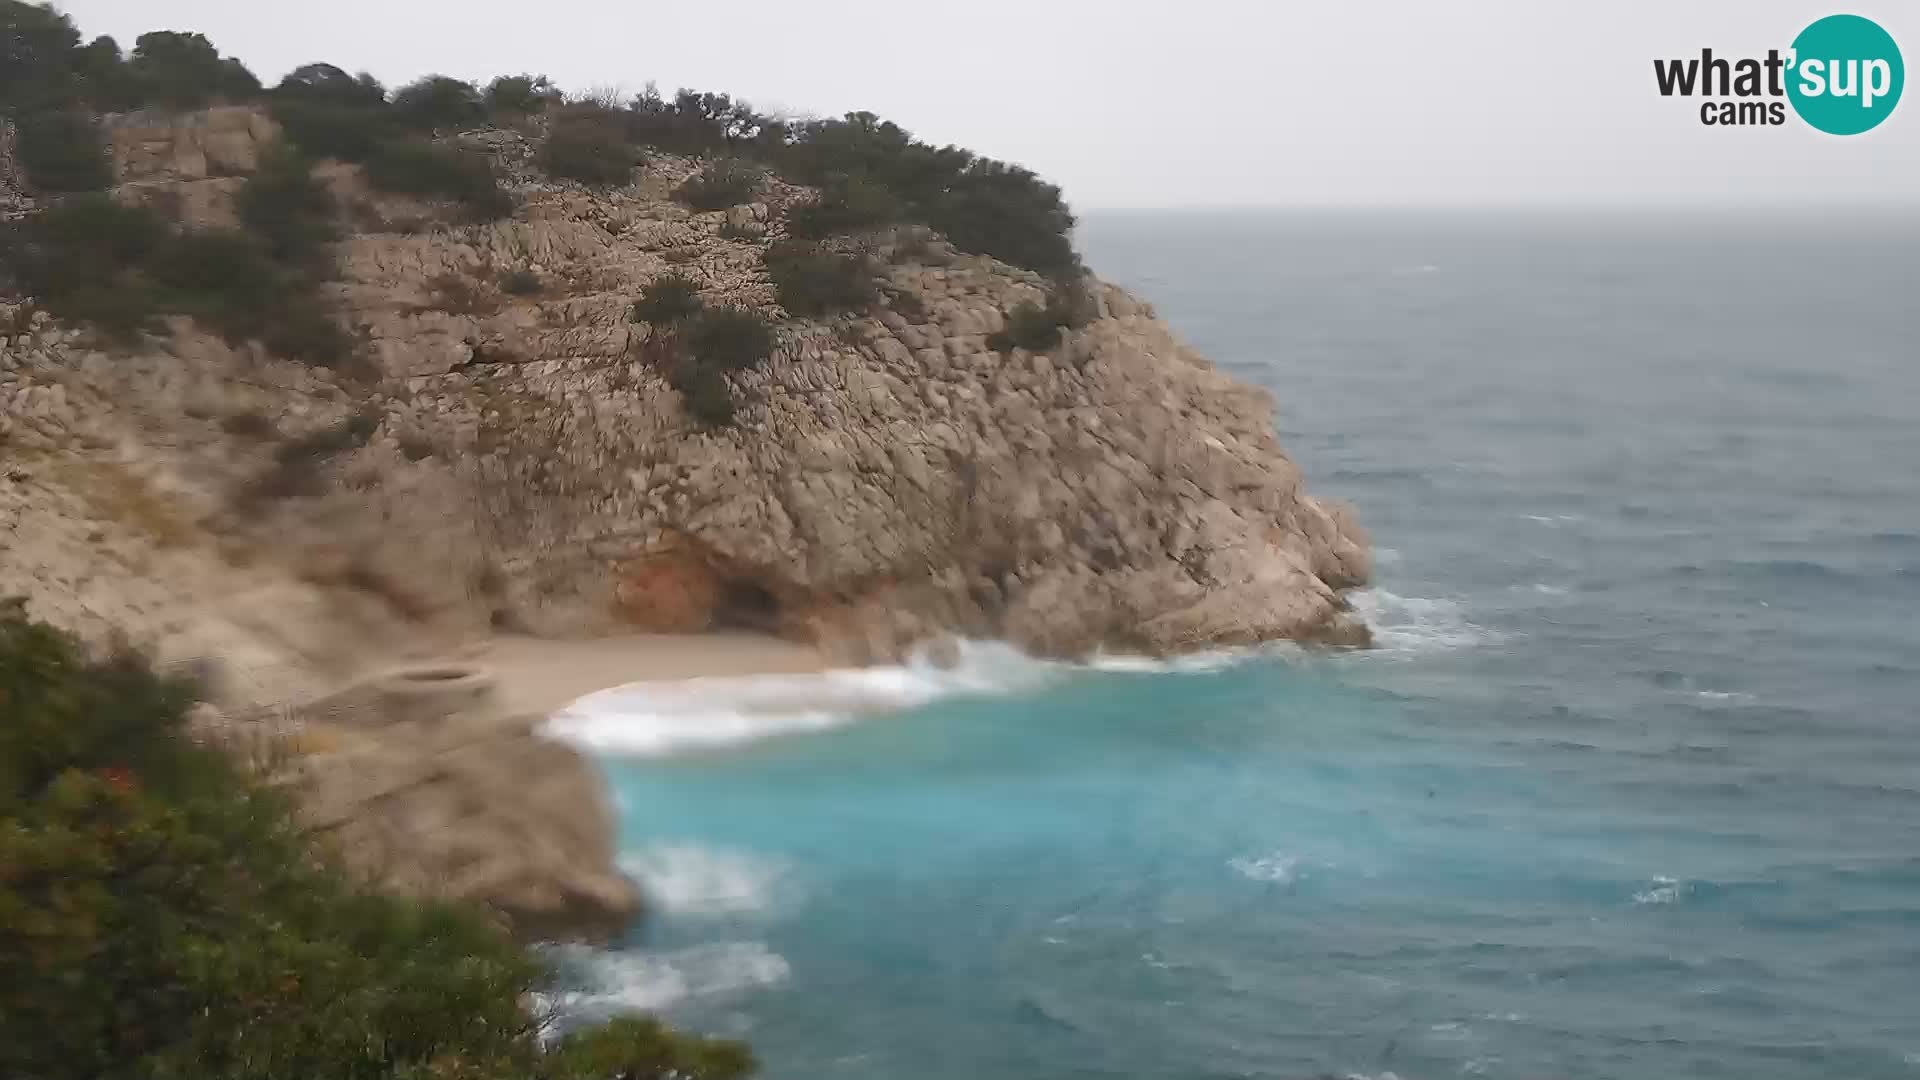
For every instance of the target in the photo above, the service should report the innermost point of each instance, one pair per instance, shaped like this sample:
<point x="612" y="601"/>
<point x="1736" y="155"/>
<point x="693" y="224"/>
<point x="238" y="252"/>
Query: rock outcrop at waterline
<point x="427" y="785"/>
<point x="889" y="476"/>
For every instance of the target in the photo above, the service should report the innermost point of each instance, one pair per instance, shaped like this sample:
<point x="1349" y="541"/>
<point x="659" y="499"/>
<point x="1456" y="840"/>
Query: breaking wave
<point x="690" y="879"/>
<point x="597" y="983"/>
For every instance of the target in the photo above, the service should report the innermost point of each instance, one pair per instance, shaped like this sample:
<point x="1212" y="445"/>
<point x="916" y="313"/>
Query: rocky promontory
<point x="441" y="418"/>
<point x="890" y="475"/>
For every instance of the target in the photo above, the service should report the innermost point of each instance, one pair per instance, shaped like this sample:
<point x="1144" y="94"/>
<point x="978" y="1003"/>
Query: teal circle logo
<point x="1846" y="75"/>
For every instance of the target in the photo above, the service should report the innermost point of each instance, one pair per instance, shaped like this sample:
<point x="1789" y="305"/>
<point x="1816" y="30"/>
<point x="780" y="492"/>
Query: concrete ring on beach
<point x="434" y="691"/>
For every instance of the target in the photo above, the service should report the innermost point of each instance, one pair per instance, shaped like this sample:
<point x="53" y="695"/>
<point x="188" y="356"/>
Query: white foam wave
<point x="651" y="719"/>
<point x="1415" y="624"/>
<point x="1732" y="696"/>
<point x="1664" y="890"/>
<point x="1276" y="868"/>
<point x="1199" y="663"/>
<point x="656" y="719"/>
<point x="638" y="981"/>
<point x="688" y="879"/>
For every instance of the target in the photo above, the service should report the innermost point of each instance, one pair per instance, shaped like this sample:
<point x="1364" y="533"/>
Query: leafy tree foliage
<point x="1039" y="327"/>
<point x="521" y="94"/>
<point x="813" y="281"/>
<point x="288" y="209"/>
<point x="730" y="339"/>
<point x="62" y="151"/>
<point x="587" y="145"/>
<point x="846" y="204"/>
<point x="184" y="70"/>
<point x="161" y="918"/>
<point x="320" y="82"/>
<point x="697" y="123"/>
<point x="667" y="300"/>
<point x="37" y="44"/>
<point x="724" y="183"/>
<point x="419" y="167"/>
<point x="438" y="102"/>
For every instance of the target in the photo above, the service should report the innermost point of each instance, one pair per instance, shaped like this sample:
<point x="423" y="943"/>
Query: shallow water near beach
<point x="1631" y="788"/>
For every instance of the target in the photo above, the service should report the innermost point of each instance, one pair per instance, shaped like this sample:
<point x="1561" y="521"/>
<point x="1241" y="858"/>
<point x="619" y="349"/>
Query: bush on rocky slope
<point x="438" y="102"/>
<point x="729" y="339"/>
<point x="160" y="917"/>
<point x="667" y="300"/>
<point x="724" y="183"/>
<point x="290" y="211"/>
<point x="872" y="172"/>
<point x="431" y="170"/>
<point x="118" y="267"/>
<point x="811" y="280"/>
<point x="61" y="151"/>
<point x="520" y="94"/>
<point x="589" y="148"/>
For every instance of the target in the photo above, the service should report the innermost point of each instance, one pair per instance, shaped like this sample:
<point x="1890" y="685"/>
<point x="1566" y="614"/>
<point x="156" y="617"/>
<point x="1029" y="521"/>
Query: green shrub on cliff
<point x="520" y="94"/>
<point x="185" y="71"/>
<point x="847" y="204"/>
<point x="814" y="281"/>
<point x="724" y="183"/>
<point x="161" y="917"/>
<point x="81" y="259"/>
<point x="286" y="207"/>
<point x="430" y="170"/>
<point x="1039" y="327"/>
<point x="438" y="102"/>
<point x="590" y="148"/>
<point x="667" y="300"/>
<point x="707" y="395"/>
<point x="730" y="339"/>
<point x="62" y="151"/>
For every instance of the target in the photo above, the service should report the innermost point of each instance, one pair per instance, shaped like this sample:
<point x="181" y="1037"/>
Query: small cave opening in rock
<point x="746" y="605"/>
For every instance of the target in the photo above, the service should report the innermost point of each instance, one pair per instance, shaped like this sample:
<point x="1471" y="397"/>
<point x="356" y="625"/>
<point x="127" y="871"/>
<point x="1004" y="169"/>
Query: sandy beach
<point x="537" y="675"/>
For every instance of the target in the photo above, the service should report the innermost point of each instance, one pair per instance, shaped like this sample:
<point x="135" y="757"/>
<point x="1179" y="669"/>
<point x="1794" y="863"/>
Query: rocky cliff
<point x="522" y="461"/>
<point x="512" y="454"/>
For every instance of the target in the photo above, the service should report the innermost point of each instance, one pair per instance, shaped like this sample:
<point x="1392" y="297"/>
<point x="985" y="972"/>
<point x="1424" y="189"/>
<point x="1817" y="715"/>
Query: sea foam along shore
<point x="652" y="696"/>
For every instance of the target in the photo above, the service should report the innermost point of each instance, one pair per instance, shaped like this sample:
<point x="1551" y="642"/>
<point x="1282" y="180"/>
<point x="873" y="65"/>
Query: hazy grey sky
<point x="1194" y="102"/>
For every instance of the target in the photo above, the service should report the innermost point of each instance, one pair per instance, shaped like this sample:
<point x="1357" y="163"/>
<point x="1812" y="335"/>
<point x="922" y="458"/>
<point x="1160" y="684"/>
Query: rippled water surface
<point x="1631" y="790"/>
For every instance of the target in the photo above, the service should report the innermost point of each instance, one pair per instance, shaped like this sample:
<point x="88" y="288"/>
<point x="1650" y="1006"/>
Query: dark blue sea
<point x="1630" y="789"/>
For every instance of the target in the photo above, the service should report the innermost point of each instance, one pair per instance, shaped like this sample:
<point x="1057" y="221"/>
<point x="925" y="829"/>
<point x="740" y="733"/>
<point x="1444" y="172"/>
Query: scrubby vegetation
<point x="161" y="917"/>
<point x="668" y="300"/>
<point x="812" y="280"/>
<point x="729" y="339"/>
<point x="62" y="151"/>
<point x="1039" y="327"/>
<point x="871" y="174"/>
<point x="520" y="282"/>
<point x="705" y="391"/>
<point x="438" y="103"/>
<point x="588" y="145"/>
<point x="435" y="171"/>
<point x="520" y="94"/>
<point x="290" y="211"/>
<point x="697" y="346"/>
<point x="724" y="183"/>
<point x="846" y="204"/>
<point x="118" y="267"/>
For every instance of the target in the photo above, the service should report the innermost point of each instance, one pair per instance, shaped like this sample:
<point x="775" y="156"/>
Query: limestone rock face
<point x="889" y="479"/>
<point x="221" y="141"/>
<point x="422" y="785"/>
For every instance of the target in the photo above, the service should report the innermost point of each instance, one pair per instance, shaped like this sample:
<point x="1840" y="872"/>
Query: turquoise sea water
<point x="1630" y="790"/>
